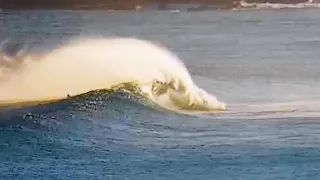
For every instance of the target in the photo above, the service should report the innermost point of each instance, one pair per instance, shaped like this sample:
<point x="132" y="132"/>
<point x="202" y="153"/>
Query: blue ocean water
<point x="263" y="64"/>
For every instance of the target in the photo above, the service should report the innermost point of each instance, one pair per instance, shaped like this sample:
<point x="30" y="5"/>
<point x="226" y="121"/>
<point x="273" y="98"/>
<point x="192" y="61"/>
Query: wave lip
<point x="84" y="65"/>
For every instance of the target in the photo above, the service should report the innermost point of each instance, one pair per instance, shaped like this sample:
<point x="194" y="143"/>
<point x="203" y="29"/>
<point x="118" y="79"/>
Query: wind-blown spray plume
<point x="92" y="64"/>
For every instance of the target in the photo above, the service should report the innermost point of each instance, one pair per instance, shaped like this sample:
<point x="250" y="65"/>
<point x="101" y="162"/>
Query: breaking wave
<point x="307" y="4"/>
<point x="80" y="66"/>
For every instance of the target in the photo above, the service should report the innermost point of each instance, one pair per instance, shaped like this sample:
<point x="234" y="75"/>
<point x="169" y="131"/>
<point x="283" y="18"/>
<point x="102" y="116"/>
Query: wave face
<point x="85" y="65"/>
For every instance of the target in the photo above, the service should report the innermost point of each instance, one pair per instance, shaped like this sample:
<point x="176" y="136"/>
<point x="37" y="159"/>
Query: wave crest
<point x="85" y="65"/>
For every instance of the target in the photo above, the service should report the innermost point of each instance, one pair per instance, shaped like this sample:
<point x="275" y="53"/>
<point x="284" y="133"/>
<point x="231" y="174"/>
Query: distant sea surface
<point x="263" y="63"/>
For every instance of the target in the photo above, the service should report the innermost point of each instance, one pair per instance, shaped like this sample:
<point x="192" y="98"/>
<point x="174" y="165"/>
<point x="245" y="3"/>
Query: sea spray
<point x="91" y="64"/>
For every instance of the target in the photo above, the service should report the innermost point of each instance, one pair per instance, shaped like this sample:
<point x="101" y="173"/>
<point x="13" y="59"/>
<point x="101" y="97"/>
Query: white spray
<point x="92" y="64"/>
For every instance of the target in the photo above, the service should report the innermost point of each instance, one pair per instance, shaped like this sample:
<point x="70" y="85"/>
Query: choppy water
<point x="264" y="64"/>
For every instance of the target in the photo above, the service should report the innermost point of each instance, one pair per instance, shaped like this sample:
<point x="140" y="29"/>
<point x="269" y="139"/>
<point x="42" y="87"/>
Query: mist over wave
<point x="84" y="65"/>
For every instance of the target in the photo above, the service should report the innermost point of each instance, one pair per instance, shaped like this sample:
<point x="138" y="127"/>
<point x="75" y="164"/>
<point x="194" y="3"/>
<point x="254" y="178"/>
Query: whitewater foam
<point x="308" y="4"/>
<point x="90" y="64"/>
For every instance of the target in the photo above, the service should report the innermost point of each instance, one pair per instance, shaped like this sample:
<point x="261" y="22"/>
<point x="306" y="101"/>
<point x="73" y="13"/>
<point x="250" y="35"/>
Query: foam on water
<point x="308" y="4"/>
<point x="91" y="64"/>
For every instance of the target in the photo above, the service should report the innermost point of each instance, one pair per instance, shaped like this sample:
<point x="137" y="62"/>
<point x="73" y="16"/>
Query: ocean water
<point x="262" y="63"/>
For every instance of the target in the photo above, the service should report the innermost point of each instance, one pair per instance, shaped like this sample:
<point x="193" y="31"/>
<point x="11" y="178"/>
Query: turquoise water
<point x="264" y="64"/>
